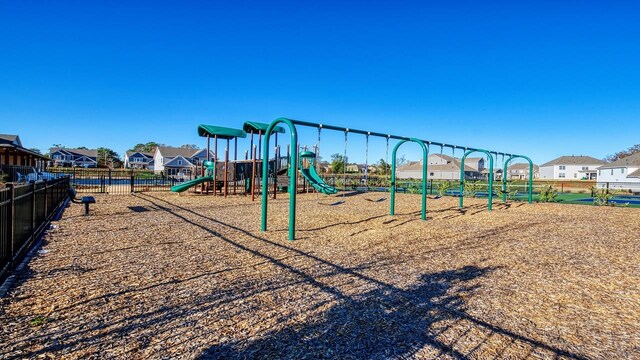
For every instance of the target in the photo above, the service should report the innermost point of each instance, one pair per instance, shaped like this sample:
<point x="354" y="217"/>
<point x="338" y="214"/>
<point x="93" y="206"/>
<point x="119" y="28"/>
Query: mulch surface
<point x="159" y="275"/>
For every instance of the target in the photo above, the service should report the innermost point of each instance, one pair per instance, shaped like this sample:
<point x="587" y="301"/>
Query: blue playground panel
<point x="478" y="194"/>
<point x="628" y="197"/>
<point x="616" y="200"/>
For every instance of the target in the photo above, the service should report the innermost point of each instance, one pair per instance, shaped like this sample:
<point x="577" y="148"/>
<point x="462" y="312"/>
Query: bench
<point x="85" y="200"/>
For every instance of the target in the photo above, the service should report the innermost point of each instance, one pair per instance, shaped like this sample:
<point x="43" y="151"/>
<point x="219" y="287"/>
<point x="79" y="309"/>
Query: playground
<point x="165" y="275"/>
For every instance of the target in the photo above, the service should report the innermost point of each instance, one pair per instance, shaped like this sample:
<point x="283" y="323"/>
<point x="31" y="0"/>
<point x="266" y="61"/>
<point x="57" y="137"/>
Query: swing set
<point x="298" y="159"/>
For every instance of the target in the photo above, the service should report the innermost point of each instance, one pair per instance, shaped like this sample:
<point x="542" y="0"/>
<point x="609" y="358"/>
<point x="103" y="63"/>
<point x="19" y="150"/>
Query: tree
<point x="58" y="146"/>
<point x="623" y="154"/>
<point x="337" y="163"/>
<point x="36" y="150"/>
<point x="383" y="167"/>
<point x="108" y="158"/>
<point x="147" y="148"/>
<point x="401" y="160"/>
<point x="82" y="148"/>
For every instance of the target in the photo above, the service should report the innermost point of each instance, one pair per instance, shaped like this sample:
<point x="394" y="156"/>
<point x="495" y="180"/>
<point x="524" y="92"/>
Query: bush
<point x="602" y="197"/>
<point x="548" y="194"/>
<point x="471" y="189"/>
<point x="442" y="187"/>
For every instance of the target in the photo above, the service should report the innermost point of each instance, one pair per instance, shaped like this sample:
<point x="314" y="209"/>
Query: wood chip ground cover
<point x="159" y="275"/>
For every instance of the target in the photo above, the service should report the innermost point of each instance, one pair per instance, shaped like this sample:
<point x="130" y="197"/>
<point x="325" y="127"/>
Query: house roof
<point x="174" y="162"/>
<point x="80" y="152"/>
<point x="220" y="132"/>
<point x="258" y="126"/>
<point x="13" y="142"/>
<point x="635" y="174"/>
<point x="451" y="166"/>
<point x="522" y="166"/>
<point x="129" y="153"/>
<point x="631" y="160"/>
<point x="574" y="160"/>
<point x="171" y="152"/>
<point x="10" y="139"/>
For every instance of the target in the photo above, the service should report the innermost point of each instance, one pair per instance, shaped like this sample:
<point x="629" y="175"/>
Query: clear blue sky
<point x="543" y="78"/>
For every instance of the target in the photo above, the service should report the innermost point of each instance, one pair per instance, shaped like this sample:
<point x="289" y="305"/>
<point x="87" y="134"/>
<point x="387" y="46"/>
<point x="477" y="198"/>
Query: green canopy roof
<point x="220" y="132"/>
<point x="258" y="126"/>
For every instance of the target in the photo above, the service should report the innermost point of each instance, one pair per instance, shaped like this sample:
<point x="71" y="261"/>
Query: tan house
<point x="442" y="167"/>
<point x="12" y="153"/>
<point x="520" y="171"/>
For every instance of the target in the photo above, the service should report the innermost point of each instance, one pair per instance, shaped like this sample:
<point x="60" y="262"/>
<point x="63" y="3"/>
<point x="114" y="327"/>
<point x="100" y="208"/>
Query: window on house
<point x="599" y="172"/>
<point x="561" y="175"/>
<point x="611" y="171"/>
<point x="431" y="174"/>
<point x="585" y="168"/>
<point x="575" y="175"/>
<point x="179" y="162"/>
<point x="622" y="171"/>
<point x="562" y="167"/>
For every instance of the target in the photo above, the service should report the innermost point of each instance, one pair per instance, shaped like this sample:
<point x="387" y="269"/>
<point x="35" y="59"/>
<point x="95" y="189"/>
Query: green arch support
<point x="490" y="190"/>
<point x="292" y="175"/>
<point x="504" y="177"/>
<point x="425" y="160"/>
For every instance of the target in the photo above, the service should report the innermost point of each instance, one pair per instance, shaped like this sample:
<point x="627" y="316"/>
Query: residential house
<point x="74" y="157"/>
<point x="442" y="167"/>
<point x="138" y="160"/>
<point x="621" y="174"/>
<point x="571" y="168"/>
<point x="14" y="156"/>
<point x="520" y="171"/>
<point x="180" y="162"/>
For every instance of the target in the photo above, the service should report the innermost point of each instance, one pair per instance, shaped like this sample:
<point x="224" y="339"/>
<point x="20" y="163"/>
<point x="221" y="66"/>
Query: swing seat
<point x="376" y="200"/>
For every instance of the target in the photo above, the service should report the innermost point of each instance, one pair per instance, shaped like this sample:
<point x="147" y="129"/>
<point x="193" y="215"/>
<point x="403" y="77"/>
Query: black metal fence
<point x="17" y="173"/>
<point x="25" y="210"/>
<point x="119" y="181"/>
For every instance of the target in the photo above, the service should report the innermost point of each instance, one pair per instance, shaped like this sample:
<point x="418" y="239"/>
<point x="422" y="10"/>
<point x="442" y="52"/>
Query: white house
<point x="178" y="161"/>
<point x="442" y="167"/>
<point x="571" y="168"/>
<point x="621" y="174"/>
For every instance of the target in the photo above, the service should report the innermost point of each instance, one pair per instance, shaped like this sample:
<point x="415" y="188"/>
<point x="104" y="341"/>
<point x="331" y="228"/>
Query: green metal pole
<point x="490" y="189"/>
<point x="392" y="204"/>
<point x="490" y="206"/>
<point x="425" y="160"/>
<point x="530" y="197"/>
<point x="504" y="179"/>
<point x="292" y="176"/>
<point x="461" y="201"/>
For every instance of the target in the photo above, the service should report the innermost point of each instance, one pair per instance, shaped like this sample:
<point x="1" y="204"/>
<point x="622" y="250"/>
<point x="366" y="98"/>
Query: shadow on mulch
<point x="383" y="323"/>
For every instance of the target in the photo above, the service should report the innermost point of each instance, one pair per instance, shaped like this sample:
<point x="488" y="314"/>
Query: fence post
<point x="132" y="183"/>
<point x="33" y="211"/>
<point x="607" y="188"/>
<point x="46" y="197"/>
<point x="12" y="221"/>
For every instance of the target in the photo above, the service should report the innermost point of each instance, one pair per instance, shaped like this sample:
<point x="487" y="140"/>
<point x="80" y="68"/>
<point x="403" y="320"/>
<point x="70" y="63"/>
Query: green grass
<point x="567" y="198"/>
